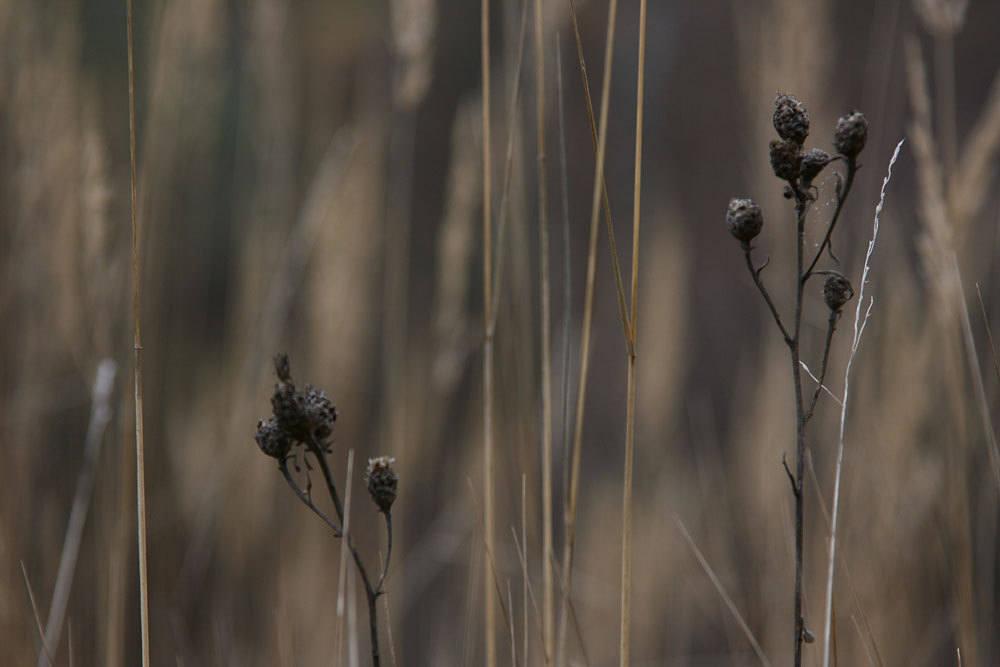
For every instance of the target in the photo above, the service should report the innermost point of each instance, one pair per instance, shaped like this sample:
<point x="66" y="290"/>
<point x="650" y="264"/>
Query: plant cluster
<point x="799" y="168"/>
<point x="302" y="423"/>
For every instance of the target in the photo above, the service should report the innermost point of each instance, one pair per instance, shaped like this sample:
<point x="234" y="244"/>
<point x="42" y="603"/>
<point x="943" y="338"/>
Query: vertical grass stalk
<point x="588" y="311"/>
<point x="546" y="342"/>
<point x="488" y="528"/>
<point x="626" y="593"/>
<point x="140" y="476"/>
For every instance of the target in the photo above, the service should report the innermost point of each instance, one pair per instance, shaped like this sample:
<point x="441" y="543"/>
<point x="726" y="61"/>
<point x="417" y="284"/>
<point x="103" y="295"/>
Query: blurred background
<point x="310" y="181"/>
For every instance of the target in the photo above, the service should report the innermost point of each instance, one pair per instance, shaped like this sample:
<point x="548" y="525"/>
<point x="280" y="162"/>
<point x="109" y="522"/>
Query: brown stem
<point x="830" y="328"/>
<point x="755" y="274"/>
<point x="852" y="169"/>
<point x="801" y="206"/>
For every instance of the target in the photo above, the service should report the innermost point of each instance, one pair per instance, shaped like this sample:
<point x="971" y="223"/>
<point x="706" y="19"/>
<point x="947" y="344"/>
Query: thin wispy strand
<point x="859" y="329"/>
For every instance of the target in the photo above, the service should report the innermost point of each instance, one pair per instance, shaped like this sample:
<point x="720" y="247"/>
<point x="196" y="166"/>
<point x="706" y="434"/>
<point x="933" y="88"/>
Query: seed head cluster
<point x="297" y="416"/>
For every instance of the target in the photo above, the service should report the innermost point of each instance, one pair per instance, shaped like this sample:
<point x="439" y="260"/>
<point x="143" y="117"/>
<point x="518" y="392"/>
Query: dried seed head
<point x="744" y="219"/>
<point x="319" y="411"/>
<point x="813" y="163"/>
<point x="272" y="439"/>
<point x="382" y="481"/>
<point x="289" y="406"/>
<point x="790" y="119"/>
<point x="837" y="291"/>
<point x="851" y="134"/>
<point x="786" y="159"/>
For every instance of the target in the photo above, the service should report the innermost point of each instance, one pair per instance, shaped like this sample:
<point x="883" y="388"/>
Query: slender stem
<point x="588" y="310"/>
<point x="626" y="595"/>
<point x="318" y="452"/>
<point x="283" y="466"/>
<point x="546" y="342"/>
<point x="755" y="274"/>
<point x="566" y="316"/>
<point x="859" y="327"/>
<point x="830" y="328"/>
<point x="502" y="216"/>
<point x="801" y="206"/>
<point x="371" y="592"/>
<point x="373" y="627"/>
<point x="140" y="465"/>
<point x="488" y="531"/>
<point x="852" y="169"/>
<point x="388" y="552"/>
<point x="622" y="307"/>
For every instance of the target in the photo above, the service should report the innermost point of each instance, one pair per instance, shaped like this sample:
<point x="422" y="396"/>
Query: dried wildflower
<point x="790" y="119"/>
<point x="272" y="439"/>
<point x="837" y="291"/>
<point x="744" y="219"/>
<point x="320" y="412"/>
<point x="851" y="134"/>
<point x="786" y="159"/>
<point x="382" y="481"/>
<point x="813" y="163"/>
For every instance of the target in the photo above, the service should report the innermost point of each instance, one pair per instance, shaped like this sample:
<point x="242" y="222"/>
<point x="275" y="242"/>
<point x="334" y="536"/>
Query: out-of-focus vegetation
<point x="309" y="180"/>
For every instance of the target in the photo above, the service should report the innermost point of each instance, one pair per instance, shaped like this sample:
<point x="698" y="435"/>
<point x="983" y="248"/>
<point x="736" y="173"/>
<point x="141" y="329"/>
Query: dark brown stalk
<point x="371" y="592"/>
<point x="801" y="206"/>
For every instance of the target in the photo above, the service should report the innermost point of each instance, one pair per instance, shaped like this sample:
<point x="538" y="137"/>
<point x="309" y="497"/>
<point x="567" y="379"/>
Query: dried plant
<point x="798" y="167"/>
<point x="301" y="425"/>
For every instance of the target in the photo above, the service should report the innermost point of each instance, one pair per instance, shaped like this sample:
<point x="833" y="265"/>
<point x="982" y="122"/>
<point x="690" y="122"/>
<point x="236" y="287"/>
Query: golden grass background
<point x="310" y="182"/>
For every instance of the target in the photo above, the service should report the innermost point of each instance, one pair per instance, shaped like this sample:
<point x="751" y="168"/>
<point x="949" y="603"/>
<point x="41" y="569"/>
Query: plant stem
<point x="488" y="531"/>
<point x="140" y="465"/>
<point x="801" y="206"/>
<point x="373" y="627"/>
<point x="588" y="311"/>
<point x="546" y="342"/>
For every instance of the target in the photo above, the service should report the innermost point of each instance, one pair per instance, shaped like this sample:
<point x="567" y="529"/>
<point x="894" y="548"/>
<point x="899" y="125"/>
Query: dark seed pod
<point x="382" y="481"/>
<point x="272" y="439"/>
<point x="837" y="291"/>
<point x="790" y="119"/>
<point x="320" y="412"/>
<point x="786" y="159"/>
<point x="813" y="163"/>
<point x="851" y="134"/>
<point x="744" y="219"/>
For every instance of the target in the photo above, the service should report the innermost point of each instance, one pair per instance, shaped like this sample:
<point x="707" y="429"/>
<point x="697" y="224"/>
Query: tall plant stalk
<point x="798" y="168"/>
<point x="488" y="530"/>
<point x="626" y="590"/>
<point x="546" y="341"/>
<point x="140" y="465"/>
